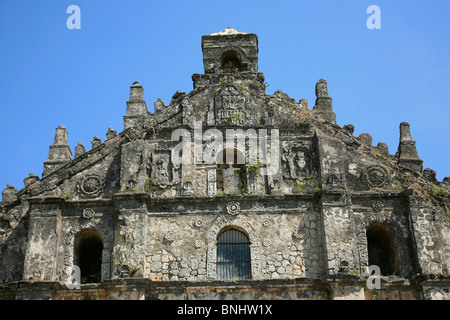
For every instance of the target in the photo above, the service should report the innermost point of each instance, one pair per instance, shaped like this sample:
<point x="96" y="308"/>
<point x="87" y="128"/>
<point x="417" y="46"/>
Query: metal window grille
<point x="233" y="256"/>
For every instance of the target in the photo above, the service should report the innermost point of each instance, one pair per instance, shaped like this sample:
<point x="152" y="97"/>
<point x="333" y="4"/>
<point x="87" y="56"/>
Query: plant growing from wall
<point x="235" y="117"/>
<point x="254" y="168"/>
<point x="223" y="80"/>
<point x="309" y="184"/>
<point x="439" y="191"/>
<point x="67" y="196"/>
<point x="149" y="183"/>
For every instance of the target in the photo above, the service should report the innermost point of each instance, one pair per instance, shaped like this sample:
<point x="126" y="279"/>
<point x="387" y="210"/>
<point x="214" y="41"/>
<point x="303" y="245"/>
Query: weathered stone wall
<point x="158" y="220"/>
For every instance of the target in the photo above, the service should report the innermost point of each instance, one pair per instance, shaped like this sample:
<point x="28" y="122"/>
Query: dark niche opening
<point x="88" y="255"/>
<point x="381" y="248"/>
<point x="231" y="62"/>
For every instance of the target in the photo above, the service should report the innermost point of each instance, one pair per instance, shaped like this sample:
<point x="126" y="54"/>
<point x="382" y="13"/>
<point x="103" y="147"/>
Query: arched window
<point x="231" y="62"/>
<point x="231" y="174"/>
<point x="88" y="255"/>
<point x="381" y="248"/>
<point x="233" y="256"/>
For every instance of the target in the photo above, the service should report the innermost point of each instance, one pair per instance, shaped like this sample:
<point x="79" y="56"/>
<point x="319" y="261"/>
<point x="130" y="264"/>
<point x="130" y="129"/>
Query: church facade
<point x="228" y="192"/>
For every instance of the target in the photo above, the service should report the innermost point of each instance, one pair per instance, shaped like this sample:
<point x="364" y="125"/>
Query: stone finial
<point x="9" y="194"/>
<point x="324" y="106"/>
<point x="59" y="153"/>
<point x="322" y="89"/>
<point x="446" y="181"/>
<point x="79" y="149"/>
<point x="111" y="133"/>
<point x="136" y="91"/>
<point x="96" y="142"/>
<point x="366" y="139"/>
<point x="32" y="178"/>
<point x="349" y="128"/>
<point x="429" y="175"/>
<point x="407" y="152"/>
<point x="304" y="109"/>
<point x="137" y="111"/>
<point x="383" y="148"/>
<point x="60" y="136"/>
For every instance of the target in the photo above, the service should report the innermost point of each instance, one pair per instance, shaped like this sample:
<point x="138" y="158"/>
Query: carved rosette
<point x="131" y="135"/>
<point x="88" y="213"/>
<point x="91" y="186"/>
<point x="233" y="208"/>
<point x="377" y="205"/>
<point x="198" y="223"/>
<point x="170" y="236"/>
<point x="199" y="243"/>
<point x="266" y="242"/>
<point x="375" y="176"/>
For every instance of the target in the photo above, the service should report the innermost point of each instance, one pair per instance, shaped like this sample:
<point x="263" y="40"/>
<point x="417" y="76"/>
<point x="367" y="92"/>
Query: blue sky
<point x="50" y="75"/>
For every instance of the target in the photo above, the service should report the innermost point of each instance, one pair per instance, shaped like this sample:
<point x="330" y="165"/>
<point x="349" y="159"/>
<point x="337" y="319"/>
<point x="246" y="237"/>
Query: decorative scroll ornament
<point x="233" y="208"/>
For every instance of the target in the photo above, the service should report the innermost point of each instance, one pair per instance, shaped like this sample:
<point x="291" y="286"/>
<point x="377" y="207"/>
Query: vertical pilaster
<point x="426" y="238"/>
<point x="43" y="238"/>
<point x="130" y="240"/>
<point x="336" y="210"/>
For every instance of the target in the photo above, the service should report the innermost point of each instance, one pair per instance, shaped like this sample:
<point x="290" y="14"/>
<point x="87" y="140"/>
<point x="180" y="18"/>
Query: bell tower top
<point x="230" y="51"/>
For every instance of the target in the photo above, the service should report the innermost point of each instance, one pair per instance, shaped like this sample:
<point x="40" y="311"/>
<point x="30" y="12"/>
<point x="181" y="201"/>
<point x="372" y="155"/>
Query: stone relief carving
<point x="188" y="111"/>
<point x="163" y="173"/>
<point x="170" y="236"/>
<point x="211" y="177"/>
<point x="131" y="134"/>
<point x="295" y="160"/>
<point x="88" y="213"/>
<point x="230" y="106"/>
<point x="266" y="242"/>
<point x="375" y="176"/>
<point x="266" y="223"/>
<point x="377" y="205"/>
<point x="233" y="208"/>
<point x="90" y="186"/>
<point x="188" y="188"/>
<point x="334" y="182"/>
<point x="199" y="244"/>
<point x="198" y="223"/>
